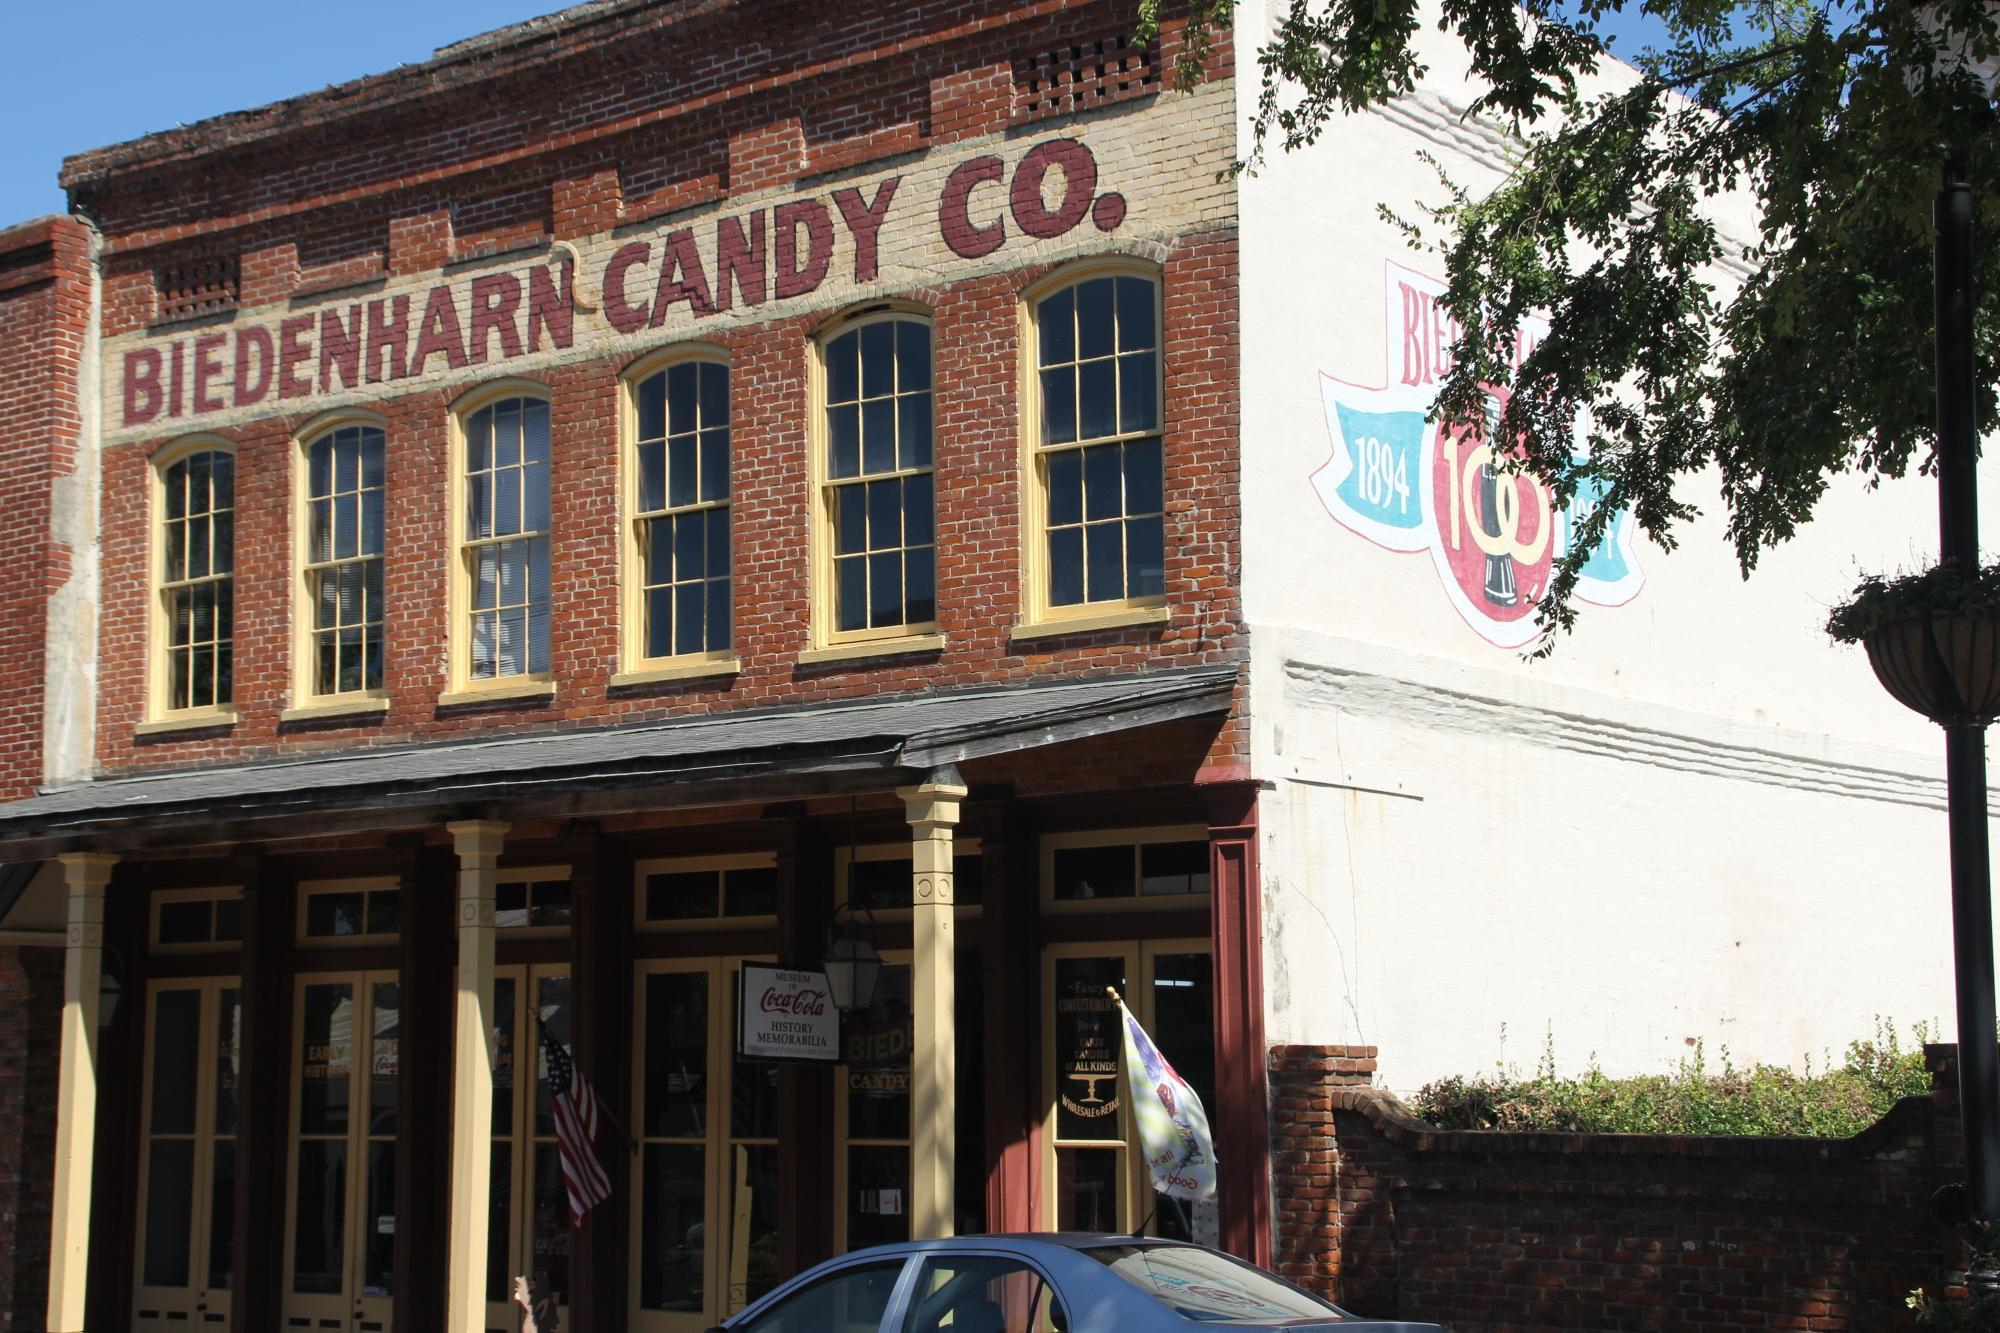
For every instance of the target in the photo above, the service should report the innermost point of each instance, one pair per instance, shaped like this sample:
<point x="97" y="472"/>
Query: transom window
<point x="197" y="584"/>
<point x="506" y="549"/>
<point x="197" y="918"/>
<point x="688" y="891"/>
<point x="681" y="509"/>
<point x="877" y="489"/>
<point x="351" y="912"/>
<point x="344" y="542"/>
<point x="1098" y="458"/>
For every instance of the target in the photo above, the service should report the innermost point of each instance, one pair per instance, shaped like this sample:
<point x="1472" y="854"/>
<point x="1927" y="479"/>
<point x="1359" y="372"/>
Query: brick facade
<point x="44" y="322"/>
<point x="1486" y="1232"/>
<point x="31" y="982"/>
<point x="615" y="119"/>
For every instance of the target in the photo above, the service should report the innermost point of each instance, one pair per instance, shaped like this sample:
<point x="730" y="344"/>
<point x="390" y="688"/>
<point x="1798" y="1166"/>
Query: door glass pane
<point x="753" y="1212"/>
<point x="1184" y="1028"/>
<point x="552" y="997"/>
<point x="499" y="1286"/>
<point x="548" y="1236"/>
<point x="379" y="1244"/>
<point x="328" y="1053"/>
<point x="1088" y="1043"/>
<point x="321" y="1217"/>
<point x="383" y="1069"/>
<point x="222" y="1216"/>
<point x="228" y="1050"/>
<point x="877" y="1042"/>
<point x="676" y="1055"/>
<point x="176" y="1043"/>
<point x="672" y="1227"/>
<point x="169" y="1205"/>
<point x="878" y="1193"/>
<point x="1087" y="1189"/>
<point x="753" y="1100"/>
<point x="504" y="1055"/>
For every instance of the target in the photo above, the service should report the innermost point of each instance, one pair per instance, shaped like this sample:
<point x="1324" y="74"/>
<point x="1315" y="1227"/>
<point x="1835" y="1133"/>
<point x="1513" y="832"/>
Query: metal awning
<point x="875" y="738"/>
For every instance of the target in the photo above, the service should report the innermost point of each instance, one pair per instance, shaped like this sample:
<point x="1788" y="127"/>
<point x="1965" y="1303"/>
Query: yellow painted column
<point x="932" y="809"/>
<point x="76" y="1089"/>
<point x="478" y="843"/>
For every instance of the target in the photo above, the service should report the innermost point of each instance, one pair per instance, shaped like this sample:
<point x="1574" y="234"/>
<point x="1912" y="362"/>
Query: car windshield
<point x="1211" y="1287"/>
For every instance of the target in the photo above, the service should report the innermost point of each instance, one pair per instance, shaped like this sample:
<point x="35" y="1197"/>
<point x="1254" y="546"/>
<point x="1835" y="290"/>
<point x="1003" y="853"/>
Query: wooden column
<point x="121" y="1064"/>
<point x="805" y="1092"/>
<point x="264" y="1089"/>
<point x="1013" y="902"/>
<point x="423" y="1094"/>
<point x="1241" y="1126"/>
<point x="600" y="935"/>
<point x="478" y="843"/>
<point x="86" y="874"/>
<point x="932" y="808"/>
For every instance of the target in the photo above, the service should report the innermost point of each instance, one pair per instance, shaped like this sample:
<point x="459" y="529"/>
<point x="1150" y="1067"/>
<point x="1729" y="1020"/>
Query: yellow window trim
<point x="823" y="639"/>
<point x="635" y="668"/>
<point x="158" y="717"/>
<point x="1036" y="612"/>
<point x="311" y="704"/>
<point x="461" y="687"/>
<point x="843" y="650"/>
<point x="538" y="686"/>
<point x="213" y="894"/>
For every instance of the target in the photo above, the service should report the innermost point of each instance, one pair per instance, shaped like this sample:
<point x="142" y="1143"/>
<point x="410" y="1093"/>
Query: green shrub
<point x="1693" y="1099"/>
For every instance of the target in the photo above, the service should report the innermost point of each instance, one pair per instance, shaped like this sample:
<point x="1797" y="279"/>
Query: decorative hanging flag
<point x="575" y="1107"/>
<point x="1173" y="1129"/>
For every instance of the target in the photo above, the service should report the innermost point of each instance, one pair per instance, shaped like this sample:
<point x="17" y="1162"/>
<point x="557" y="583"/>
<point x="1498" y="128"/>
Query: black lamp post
<point x="1965" y="737"/>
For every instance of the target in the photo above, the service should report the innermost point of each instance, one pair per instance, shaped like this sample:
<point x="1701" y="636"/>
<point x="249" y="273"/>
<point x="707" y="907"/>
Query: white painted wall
<point x="1698" y="820"/>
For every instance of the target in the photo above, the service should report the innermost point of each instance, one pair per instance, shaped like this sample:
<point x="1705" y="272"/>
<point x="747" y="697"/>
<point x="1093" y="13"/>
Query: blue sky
<point x="149" y="65"/>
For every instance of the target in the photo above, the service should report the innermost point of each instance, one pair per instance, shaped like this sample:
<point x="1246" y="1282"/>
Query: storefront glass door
<point x="187" y="1168"/>
<point x="340" y="1267"/>
<point x="529" y="1229"/>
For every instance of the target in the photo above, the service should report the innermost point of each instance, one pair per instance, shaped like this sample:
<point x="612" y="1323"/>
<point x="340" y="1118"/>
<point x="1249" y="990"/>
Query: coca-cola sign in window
<point x="783" y="1014"/>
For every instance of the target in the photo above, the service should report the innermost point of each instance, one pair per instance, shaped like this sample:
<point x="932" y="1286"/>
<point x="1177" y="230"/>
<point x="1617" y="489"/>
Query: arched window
<point x="1098" y="503"/>
<point x="679" y="551"/>
<point x="877" y="570"/>
<point x="503" y="551"/>
<point x="342" y="561"/>
<point x="197" y="537"/>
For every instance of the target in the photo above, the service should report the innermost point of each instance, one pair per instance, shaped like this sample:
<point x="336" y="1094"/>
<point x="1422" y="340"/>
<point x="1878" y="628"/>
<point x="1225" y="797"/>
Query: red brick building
<point x="663" y="489"/>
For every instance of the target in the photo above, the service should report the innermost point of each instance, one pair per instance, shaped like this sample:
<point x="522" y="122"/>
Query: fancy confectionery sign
<point x="1109" y="184"/>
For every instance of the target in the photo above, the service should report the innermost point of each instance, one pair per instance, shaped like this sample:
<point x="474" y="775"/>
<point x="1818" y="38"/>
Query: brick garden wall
<point x="1490" y="1231"/>
<point x="31" y="982"/>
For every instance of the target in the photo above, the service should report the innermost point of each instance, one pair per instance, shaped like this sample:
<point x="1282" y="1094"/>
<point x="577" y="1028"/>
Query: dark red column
<point x="1242" y="1125"/>
<point x="1013" y="901"/>
<point x="428" y="888"/>
<point x="264" y="1098"/>
<point x="600" y="877"/>
<point x="805" y="1092"/>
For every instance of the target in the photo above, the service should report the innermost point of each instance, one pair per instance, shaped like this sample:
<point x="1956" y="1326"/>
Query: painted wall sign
<point x="783" y="1014"/>
<point x="959" y="211"/>
<point x="1409" y="484"/>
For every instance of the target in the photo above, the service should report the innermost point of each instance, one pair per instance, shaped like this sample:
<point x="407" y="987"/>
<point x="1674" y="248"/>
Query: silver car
<point x="1071" y="1282"/>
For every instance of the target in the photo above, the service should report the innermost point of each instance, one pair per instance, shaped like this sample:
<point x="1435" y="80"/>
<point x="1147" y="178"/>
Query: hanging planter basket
<point x="1933" y="639"/>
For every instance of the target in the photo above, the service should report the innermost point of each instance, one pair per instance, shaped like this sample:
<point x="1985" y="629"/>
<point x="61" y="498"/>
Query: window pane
<point x="885" y="515"/>
<point x="718" y="543"/>
<point x="506" y="502"/>
<point x="690" y="546"/>
<point x="1093" y="872"/>
<point x="1066" y="566"/>
<point x="320" y="1217"/>
<point x="510" y="905"/>
<point x="479" y="441"/>
<point x="753" y="1100"/>
<point x="660" y="551"/>
<point x="1059" y="405"/>
<point x="714" y="395"/>
<point x="718" y="613"/>
<point x="1097" y="392"/>
<point x="1057" y="327"/>
<point x="917" y="511"/>
<point x="714" y="464"/>
<point x="851" y="520"/>
<point x="680" y="470"/>
<point x="479" y="506"/>
<point x="224" y="558"/>
<point x="329" y="1052"/>
<point x="751" y="891"/>
<point x="652" y="406"/>
<point x="754" y="1172"/>
<point x="551" y="906"/>
<point x="844" y="441"/>
<point x="535" y="431"/>
<point x="676" y="1055"/>
<point x="878" y="1198"/>
<point x="652" y="477"/>
<point x="920" y="584"/>
<point x="915" y="439"/>
<point x="506" y="1056"/>
<point x="682" y="895"/>
<point x="371" y="529"/>
<point x="660" y="621"/>
<point x="334" y="914"/>
<point x="319" y="467"/>
<point x="185" y="923"/>
<point x="1102" y="493"/>
<point x="222" y="1216"/>
<point x="689" y="599"/>
<point x="1088" y="1043"/>
<point x="1173" y="867"/>
<point x="876" y="1042"/>
<point x="1136" y="317"/>
<point x="499" y="1220"/>
<point x="536" y="482"/>
<point x="176" y="1028"/>
<point x="373" y="466"/>
<point x="1145" y="558"/>
<point x="1144" y="477"/>
<point x="385" y="916"/>
<point x="1087" y="1189"/>
<point x="843" y="369"/>
<point x="878" y="435"/>
<point x="379" y="1256"/>
<point x="1138" y="393"/>
<point x="913" y="356"/>
<point x="1093" y="318"/>
<point x="228" y="926"/>
<point x="169" y="1209"/>
<point x="549" y="1234"/>
<point x="878" y="348"/>
<point x="885" y="589"/>
<point x="851" y="592"/>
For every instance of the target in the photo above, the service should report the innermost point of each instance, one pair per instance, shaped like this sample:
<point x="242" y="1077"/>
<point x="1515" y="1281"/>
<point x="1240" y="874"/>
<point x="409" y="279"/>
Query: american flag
<point x="576" y="1129"/>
